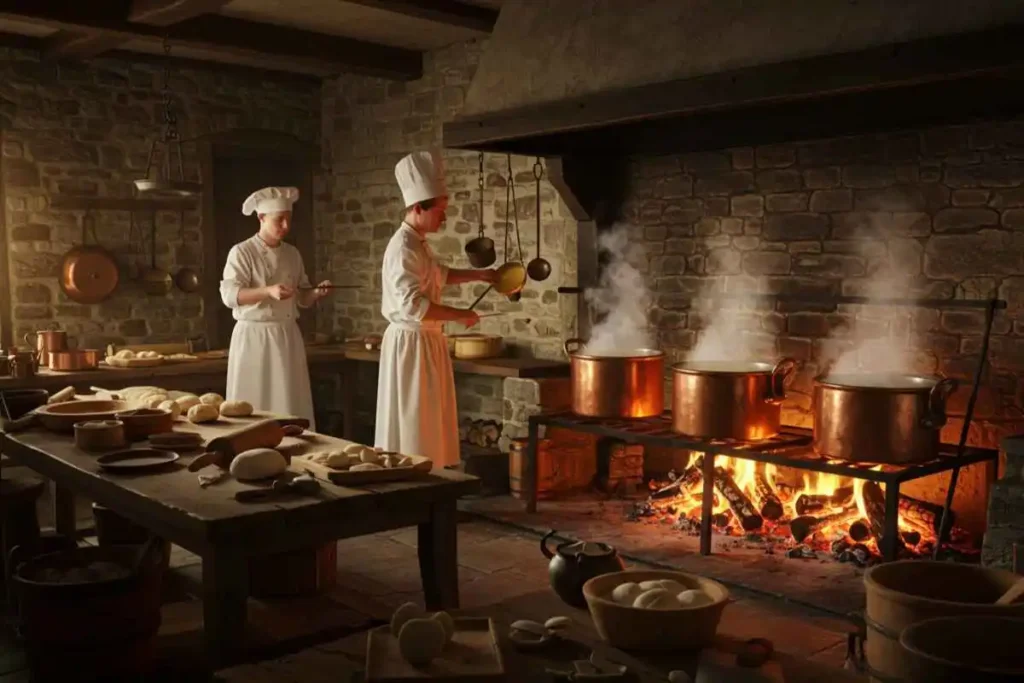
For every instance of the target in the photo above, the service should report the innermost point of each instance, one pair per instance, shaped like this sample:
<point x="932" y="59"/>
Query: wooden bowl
<point x="61" y="417"/>
<point x="632" y="628"/>
<point x="141" y="422"/>
<point x="99" y="435"/>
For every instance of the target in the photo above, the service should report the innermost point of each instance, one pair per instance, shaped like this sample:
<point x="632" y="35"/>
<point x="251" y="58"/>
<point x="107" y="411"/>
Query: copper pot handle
<point x="576" y="342"/>
<point x="936" y="416"/>
<point x="30" y="338"/>
<point x="782" y="374"/>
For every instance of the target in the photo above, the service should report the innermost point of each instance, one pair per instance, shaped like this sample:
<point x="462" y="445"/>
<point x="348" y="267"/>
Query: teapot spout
<point x="544" y="544"/>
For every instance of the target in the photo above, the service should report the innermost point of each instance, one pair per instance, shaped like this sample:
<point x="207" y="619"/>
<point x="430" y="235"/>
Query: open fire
<point x="807" y="514"/>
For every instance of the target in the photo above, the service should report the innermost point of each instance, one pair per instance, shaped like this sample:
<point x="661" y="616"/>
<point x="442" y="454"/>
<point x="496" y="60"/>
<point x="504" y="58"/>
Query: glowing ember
<point x="807" y="512"/>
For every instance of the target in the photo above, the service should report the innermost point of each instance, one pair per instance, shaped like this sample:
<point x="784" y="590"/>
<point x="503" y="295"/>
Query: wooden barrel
<point x="546" y="471"/>
<point x="979" y="649"/>
<point x="88" y="625"/>
<point x="903" y="593"/>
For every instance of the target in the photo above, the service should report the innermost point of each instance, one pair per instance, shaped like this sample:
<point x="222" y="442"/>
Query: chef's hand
<point x="321" y="290"/>
<point x="280" y="292"/>
<point x="469" y="318"/>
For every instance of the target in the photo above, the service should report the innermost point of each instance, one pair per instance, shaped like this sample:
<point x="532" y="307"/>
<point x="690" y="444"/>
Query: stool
<point x="19" y="523"/>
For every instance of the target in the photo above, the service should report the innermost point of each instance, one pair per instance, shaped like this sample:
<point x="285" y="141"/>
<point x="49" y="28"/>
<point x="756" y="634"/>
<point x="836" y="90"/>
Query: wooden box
<point x="309" y="571"/>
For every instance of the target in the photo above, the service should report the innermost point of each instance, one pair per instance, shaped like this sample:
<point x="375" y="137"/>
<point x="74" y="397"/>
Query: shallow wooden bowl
<point x="140" y="423"/>
<point x="633" y="628"/>
<point x="99" y="435"/>
<point x="61" y="417"/>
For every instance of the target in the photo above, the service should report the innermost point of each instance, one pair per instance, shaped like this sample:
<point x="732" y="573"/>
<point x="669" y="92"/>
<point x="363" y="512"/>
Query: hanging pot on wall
<point x="155" y="281"/>
<point x="88" y="272"/>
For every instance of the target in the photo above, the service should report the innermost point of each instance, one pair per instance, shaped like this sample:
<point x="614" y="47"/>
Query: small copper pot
<point x="629" y="386"/>
<point x="72" y="360"/>
<point x="45" y="341"/>
<point x="729" y="400"/>
<point x="880" y="418"/>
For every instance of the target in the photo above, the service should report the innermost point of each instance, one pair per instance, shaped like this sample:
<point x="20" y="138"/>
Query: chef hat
<point x="270" y="200"/>
<point x="420" y="177"/>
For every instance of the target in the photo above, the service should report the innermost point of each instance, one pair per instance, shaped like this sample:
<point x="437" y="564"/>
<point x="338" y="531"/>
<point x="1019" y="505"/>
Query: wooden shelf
<point x="525" y="368"/>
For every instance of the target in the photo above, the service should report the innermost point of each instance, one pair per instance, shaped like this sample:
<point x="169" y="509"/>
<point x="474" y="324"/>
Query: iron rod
<point x="707" y="503"/>
<point x="891" y="524"/>
<point x="530" y="466"/>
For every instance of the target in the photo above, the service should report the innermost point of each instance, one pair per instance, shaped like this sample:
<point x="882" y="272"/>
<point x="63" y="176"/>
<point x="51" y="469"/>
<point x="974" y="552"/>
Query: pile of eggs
<point x="660" y="594"/>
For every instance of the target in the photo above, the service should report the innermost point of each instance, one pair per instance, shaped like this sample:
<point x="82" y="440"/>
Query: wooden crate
<point x="560" y="468"/>
<point x="309" y="571"/>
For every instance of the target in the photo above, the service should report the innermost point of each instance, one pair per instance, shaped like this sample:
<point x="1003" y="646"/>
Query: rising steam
<point x="622" y="298"/>
<point x="731" y="332"/>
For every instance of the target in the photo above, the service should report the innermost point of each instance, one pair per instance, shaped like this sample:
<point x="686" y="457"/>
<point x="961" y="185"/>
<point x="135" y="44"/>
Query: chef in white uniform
<point x="265" y="284"/>
<point x="416" y="412"/>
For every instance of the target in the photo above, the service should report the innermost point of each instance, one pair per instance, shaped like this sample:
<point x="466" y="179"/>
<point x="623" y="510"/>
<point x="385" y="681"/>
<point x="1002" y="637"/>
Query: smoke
<point x="732" y="332"/>
<point x="622" y="298"/>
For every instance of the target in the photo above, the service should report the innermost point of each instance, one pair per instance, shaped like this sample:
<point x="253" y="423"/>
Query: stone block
<point x="727" y="183"/>
<point x="742" y="158"/>
<point x="862" y="225"/>
<point x="868" y="176"/>
<point x="828" y="201"/>
<point x="928" y="197"/>
<point x="704" y="162"/>
<point x="964" y="220"/>
<point x="1013" y="219"/>
<point x="749" y="205"/>
<point x="766" y="263"/>
<point x="961" y="255"/>
<point x="822" y="178"/>
<point x="32" y="294"/>
<point x="20" y="173"/>
<point x="796" y="226"/>
<point x="829" y="265"/>
<point x="1007" y="199"/>
<point x="716" y="206"/>
<point x="779" y="180"/>
<point x="30" y="232"/>
<point x="988" y="174"/>
<point x="732" y="226"/>
<point x="682" y="211"/>
<point x="808" y="325"/>
<point x="724" y="262"/>
<point x="970" y="197"/>
<point x="787" y="202"/>
<point x="775" y="156"/>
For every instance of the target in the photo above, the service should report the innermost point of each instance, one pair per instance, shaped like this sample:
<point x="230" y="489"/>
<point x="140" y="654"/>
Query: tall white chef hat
<point x="270" y="200"/>
<point x="420" y="177"/>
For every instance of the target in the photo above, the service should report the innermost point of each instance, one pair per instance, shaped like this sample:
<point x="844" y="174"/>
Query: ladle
<point x="1013" y="594"/>
<point x="539" y="269"/>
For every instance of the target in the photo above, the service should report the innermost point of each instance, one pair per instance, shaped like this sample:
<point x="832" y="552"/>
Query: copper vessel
<point x="44" y="341"/>
<point x="729" y="399"/>
<point x="70" y="360"/>
<point x="630" y="385"/>
<point x="880" y="418"/>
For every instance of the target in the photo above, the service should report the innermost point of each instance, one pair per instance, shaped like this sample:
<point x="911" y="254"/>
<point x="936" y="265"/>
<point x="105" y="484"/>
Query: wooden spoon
<point x="1013" y="593"/>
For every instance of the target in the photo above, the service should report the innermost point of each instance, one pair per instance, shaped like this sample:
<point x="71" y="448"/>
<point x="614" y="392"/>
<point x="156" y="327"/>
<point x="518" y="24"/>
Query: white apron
<point x="416" y="412"/>
<point x="267" y="359"/>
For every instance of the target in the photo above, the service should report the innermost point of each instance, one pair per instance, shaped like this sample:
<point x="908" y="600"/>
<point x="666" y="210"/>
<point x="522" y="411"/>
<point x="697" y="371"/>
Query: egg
<point x="693" y="598"/>
<point x="656" y="598"/>
<point x="626" y="593"/>
<point x="421" y="640"/>
<point x="404" y="613"/>
<point x="447" y="623"/>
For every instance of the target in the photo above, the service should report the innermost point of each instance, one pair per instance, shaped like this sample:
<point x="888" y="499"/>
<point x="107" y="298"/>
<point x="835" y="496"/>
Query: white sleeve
<point x="409" y="270"/>
<point x="237" y="276"/>
<point x="303" y="278"/>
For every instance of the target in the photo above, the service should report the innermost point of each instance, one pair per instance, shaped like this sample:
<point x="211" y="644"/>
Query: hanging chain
<point x="171" y="129"/>
<point x="480" y="185"/>
<point x="515" y="209"/>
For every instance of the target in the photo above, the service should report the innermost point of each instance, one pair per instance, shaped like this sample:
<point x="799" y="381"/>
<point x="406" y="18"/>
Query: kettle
<point x="572" y="564"/>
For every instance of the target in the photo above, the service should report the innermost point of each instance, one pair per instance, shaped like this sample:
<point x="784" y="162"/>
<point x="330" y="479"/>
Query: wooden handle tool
<point x="1013" y="594"/>
<point x="263" y="434"/>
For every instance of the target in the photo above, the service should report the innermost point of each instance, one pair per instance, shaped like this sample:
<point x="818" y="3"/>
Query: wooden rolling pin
<point x="263" y="434"/>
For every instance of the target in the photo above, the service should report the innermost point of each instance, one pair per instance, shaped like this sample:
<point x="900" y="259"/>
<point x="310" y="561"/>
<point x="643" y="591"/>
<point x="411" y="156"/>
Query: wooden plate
<point x="136" y="459"/>
<point x="472" y="655"/>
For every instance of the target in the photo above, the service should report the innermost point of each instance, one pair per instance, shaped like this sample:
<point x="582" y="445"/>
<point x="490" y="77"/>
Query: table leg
<point x="64" y="511"/>
<point x="225" y="591"/>
<point x="439" y="568"/>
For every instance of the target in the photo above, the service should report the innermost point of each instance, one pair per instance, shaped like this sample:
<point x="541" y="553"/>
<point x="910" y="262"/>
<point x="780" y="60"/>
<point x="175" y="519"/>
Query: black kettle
<point x="574" y="563"/>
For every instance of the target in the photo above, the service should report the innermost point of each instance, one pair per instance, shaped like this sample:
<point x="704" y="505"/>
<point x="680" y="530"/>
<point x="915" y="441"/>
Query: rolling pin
<point x="263" y="434"/>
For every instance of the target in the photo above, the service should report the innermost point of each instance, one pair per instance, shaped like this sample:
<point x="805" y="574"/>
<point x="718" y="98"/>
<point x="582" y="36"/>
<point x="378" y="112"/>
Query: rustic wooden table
<point x="226" y="533"/>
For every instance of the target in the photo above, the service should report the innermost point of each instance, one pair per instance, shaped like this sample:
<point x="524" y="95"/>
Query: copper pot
<point x="729" y="400"/>
<point x="45" y="341"/>
<point x="630" y="385"/>
<point x="71" y="360"/>
<point x="881" y="418"/>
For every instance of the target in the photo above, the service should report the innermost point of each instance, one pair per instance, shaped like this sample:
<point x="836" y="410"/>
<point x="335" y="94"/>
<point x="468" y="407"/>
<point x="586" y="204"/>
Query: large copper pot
<point x="630" y="385"/>
<point x="881" y="418"/>
<point x="71" y="360"/>
<point x="729" y="399"/>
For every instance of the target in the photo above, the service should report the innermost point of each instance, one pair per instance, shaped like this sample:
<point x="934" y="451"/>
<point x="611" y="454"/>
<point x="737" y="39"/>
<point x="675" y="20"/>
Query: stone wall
<point x="1006" y="509"/>
<point x="82" y="130"/>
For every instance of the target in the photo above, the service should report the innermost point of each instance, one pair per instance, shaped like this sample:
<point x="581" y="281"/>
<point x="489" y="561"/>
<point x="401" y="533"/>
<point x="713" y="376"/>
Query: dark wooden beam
<point x="82" y="45"/>
<point x="448" y="12"/>
<point x="253" y="43"/>
<point x="909" y="67"/>
<point x="6" y="283"/>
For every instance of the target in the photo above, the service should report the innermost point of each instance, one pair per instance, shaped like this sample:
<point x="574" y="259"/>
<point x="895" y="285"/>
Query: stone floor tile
<point x="831" y="656"/>
<point x="801" y="637"/>
<point x="496" y="555"/>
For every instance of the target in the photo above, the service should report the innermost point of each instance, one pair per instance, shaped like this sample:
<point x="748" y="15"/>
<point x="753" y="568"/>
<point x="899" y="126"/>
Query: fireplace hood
<point x="599" y="77"/>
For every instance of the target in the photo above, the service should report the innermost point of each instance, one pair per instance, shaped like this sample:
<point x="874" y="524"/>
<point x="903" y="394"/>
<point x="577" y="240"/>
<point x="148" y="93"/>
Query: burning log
<point x="767" y="501"/>
<point x="911" y="537"/>
<point x="738" y="501"/>
<point x="860" y="530"/>
<point x="805" y="525"/>
<point x="809" y="503"/>
<point x="681" y="485"/>
<point x="874" y="506"/>
<point x="922" y="514"/>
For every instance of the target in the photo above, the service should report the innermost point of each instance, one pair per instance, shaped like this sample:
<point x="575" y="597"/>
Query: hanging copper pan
<point x="88" y="274"/>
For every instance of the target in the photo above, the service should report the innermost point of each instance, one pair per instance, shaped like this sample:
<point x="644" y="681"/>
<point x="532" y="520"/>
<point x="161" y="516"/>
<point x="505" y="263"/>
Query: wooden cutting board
<point x="473" y="656"/>
<point x="421" y="467"/>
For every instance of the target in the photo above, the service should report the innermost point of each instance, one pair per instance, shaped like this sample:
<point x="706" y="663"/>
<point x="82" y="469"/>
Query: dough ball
<point x="211" y="399"/>
<point x="354" y="448"/>
<point x="235" y="408"/>
<point x="369" y="455"/>
<point x="147" y="354"/>
<point x="447" y="623"/>
<point x="365" y="467"/>
<point x="187" y="401"/>
<point x="404" y="461"/>
<point x="153" y="400"/>
<point x="404" y="613"/>
<point x="693" y="598"/>
<point x="172" y="406"/>
<point x="626" y="593"/>
<point x="421" y="640"/>
<point x="656" y="598"/>
<point x="258" y="463"/>
<point x="125" y="354"/>
<point x="673" y="587"/>
<point x="202" y="412"/>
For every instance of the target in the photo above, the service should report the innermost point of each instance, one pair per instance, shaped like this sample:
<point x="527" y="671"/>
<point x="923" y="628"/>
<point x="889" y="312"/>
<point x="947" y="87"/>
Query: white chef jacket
<point x="267" y="358"/>
<point x="416" y="412"/>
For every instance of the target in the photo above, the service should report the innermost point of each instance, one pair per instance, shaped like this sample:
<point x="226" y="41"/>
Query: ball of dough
<point x="202" y="412"/>
<point x="211" y="399"/>
<point x="365" y="467"/>
<point x="421" y="640"/>
<point x="258" y="463"/>
<point x="656" y="598"/>
<point x="693" y="598"/>
<point x="235" y="408"/>
<point x="405" y="612"/>
<point x="172" y="406"/>
<point x="626" y="593"/>
<point x="126" y="354"/>
<point x="354" y="448"/>
<point x="671" y="586"/>
<point x="447" y="623"/>
<point x="153" y="400"/>
<point x="187" y="401"/>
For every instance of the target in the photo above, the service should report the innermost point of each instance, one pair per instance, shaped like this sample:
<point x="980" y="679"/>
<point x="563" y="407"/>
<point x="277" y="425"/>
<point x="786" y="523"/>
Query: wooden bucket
<point x="548" y="474"/>
<point x="979" y="649"/>
<point x="903" y="593"/>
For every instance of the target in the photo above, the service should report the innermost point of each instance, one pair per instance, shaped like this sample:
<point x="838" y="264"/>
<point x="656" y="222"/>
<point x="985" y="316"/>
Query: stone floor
<point x="377" y="573"/>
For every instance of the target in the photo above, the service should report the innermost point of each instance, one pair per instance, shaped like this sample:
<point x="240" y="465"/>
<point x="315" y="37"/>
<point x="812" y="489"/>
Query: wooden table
<point x="226" y="534"/>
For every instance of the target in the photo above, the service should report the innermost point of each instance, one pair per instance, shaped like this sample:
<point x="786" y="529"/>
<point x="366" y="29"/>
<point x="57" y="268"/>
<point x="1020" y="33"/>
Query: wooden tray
<point x="133" y="362"/>
<point x="473" y="656"/>
<point x="421" y="467"/>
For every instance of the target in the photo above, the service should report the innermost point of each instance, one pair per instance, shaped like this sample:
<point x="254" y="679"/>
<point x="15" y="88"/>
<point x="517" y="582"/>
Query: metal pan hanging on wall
<point x="88" y="273"/>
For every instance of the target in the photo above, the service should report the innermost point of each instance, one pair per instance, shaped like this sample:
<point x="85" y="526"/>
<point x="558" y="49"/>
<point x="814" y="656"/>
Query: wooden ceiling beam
<point x="253" y="43"/>
<point x="448" y="12"/>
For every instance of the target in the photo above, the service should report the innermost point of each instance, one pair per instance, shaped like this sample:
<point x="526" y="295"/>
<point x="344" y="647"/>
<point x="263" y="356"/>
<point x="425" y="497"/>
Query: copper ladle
<point x="538" y="269"/>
